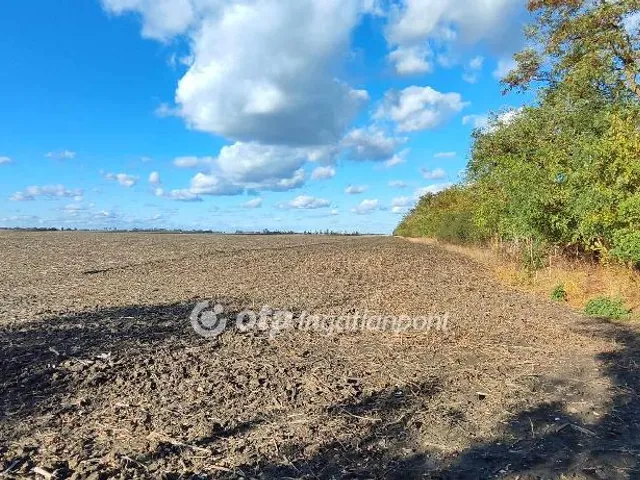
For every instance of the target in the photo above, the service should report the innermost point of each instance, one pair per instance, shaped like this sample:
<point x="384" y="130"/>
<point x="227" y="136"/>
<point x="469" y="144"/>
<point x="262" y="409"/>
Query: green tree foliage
<point x="448" y="215"/>
<point x="581" y="44"/>
<point x="565" y="171"/>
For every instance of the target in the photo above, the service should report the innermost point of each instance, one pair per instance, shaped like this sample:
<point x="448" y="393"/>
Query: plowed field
<point x="103" y="376"/>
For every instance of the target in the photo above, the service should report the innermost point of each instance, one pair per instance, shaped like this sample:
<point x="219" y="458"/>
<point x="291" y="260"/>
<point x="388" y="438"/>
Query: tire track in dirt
<point x="151" y="263"/>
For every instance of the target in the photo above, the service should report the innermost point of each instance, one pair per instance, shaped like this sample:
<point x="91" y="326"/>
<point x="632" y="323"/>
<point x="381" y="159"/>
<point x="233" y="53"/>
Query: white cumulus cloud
<point x="263" y="165"/>
<point x="180" y="195"/>
<point x="401" y="202"/>
<point x="205" y="184"/>
<point x="154" y="178"/>
<point x="398" y="158"/>
<point x="5" y="160"/>
<point x="435" y="174"/>
<point x="488" y="122"/>
<point x="253" y="203"/>
<point x="370" y="143"/>
<point x="411" y="60"/>
<point x="419" y="108"/>
<point x="472" y="69"/>
<point x="504" y="66"/>
<point x="47" y="191"/>
<point x="367" y="206"/>
<point x="323" y="173"/>
<point x="401" y="205"/>
<point x="454" y="25"/>
<point x="242" y="167"/>
<point x="306" y="202"/>
<point x="475" y="120"/>
<point x="431" y="189"/>
<point x="356" y="189"/>
<point x="260" y="70"/>
<point x="123" y="179"/>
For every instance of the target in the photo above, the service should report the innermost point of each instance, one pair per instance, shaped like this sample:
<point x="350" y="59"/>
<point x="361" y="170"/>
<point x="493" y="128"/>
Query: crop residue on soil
<point x="102" y="375"/>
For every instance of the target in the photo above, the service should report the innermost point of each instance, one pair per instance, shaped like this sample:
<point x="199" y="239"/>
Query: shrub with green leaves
<point x="447" y="215"/>
<point x="627" y="247"/>
<point x="607" y="307"/>
<point x="559" y="294"/>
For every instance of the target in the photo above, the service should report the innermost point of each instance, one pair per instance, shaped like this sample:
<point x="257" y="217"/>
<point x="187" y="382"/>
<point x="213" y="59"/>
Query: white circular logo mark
<point x="206" y="322"/>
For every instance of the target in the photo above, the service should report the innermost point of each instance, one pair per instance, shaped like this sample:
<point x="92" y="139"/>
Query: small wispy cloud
<point x="435" y="174"/>
<point x="253" y="203"/>
<point x="62" y="155"/>
<point x="193" y="162"/>
<point x="367" y="206"/>
<point x="180" y="195"/>
<point x="323" y="173"/>
<point x="46" y="191"/>
<point x="123" y="179"/>
<point x="473" y="69"/>
<point x="306" y="202"/>
<point x="475" y="120"/>
<point x="74" y="209"/>
<point x="356" y="189"/>
<point x="154" y="178"/>
<point x="504" y="66"/>
<point x="401" y="205"/>
<point x="431" y="189"/>
<point x="165" y="110"/>
<point x="400" y="202"/>
<point x="397" y="184"/>
<point x="397" y="159"/>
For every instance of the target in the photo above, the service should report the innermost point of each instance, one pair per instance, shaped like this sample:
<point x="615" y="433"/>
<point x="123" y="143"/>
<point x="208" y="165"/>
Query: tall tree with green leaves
<point x="582" y="44"/>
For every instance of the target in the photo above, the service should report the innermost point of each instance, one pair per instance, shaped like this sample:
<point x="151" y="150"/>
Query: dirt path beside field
<point x="103" y="376"/>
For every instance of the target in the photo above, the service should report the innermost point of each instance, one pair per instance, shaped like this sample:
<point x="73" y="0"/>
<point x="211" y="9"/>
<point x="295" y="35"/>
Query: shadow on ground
<point x="544" y="442"/>
<point x="31" y="352"/>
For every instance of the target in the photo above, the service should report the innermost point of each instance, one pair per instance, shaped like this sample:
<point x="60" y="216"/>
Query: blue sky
<point x="243" y="114"/>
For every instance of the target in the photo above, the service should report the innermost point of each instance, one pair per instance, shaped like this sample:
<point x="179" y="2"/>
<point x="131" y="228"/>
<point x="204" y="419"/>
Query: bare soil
<point x="102" y="375"/>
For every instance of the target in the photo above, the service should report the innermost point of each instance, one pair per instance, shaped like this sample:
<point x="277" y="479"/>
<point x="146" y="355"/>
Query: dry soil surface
<point x="103" y="376"/>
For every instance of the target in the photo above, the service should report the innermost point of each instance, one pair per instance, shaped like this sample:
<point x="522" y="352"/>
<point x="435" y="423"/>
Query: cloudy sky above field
<point x="243" y="114"/>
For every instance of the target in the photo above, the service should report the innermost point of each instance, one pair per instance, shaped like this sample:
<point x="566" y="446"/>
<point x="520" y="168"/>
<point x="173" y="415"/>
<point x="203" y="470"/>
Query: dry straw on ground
<point x="582" y="279"/>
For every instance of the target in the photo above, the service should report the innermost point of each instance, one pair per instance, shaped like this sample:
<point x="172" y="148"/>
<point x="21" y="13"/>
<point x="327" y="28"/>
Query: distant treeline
<point x="179" y="231"/>
<point x="564" y="172"/>
<point x="306" y="232"/>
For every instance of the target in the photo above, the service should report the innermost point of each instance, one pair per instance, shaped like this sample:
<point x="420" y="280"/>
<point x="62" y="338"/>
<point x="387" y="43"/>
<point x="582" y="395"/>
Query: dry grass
<point x="582" y="279"/>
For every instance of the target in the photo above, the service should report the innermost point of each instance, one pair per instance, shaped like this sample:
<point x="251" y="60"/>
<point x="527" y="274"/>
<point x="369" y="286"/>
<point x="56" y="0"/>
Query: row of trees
<point x="565" y="171"/>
